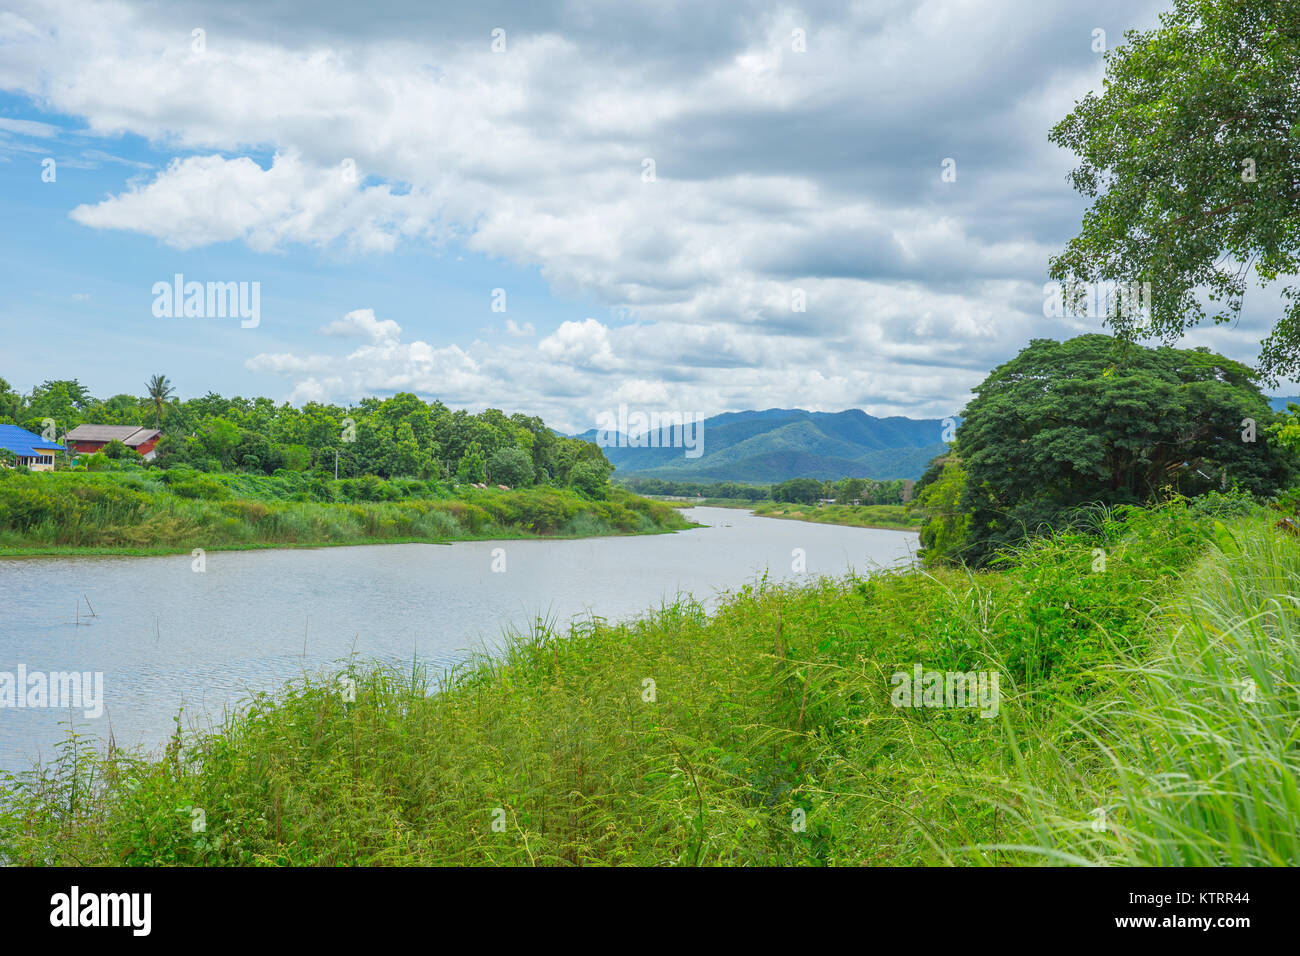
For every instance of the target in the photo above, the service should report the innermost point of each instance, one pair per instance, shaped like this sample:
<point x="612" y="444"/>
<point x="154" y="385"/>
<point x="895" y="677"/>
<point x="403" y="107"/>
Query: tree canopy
<point x="1191" y="156"/>
<point x="397" y="437"/>
<point x="1061" y="426"/>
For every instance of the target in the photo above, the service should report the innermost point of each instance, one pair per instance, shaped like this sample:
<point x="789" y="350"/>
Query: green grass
<point x="140" y="513"/>
<point x="889" y="517"/>
<point x="1191" y="755"/>
<point x="767" y="735"/>
<point x="893" y="517"/>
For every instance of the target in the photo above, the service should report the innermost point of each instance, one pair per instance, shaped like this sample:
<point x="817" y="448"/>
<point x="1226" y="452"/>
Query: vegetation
<point x="234" y="473"/>
<point x="1190" y="156"/>
<point x="766" y="734"/>
<point x="1065" y="426"/>
<point x="728" y="490"/>
<point x="1096" y="540"/>
<point x="775" y="445"/>
<point x="846" y="491"/>
<point x="181" y="509"/>
<point x="897" y="517"/>
<point x="397" y="437"/>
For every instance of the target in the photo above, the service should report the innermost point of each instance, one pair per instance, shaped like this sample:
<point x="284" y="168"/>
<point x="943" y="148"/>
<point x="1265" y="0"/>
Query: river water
<point x="165" y="636"/>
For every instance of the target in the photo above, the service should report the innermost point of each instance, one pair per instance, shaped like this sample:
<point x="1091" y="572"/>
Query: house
<point x="33" y="451"/>
<point x="86" y="439"/>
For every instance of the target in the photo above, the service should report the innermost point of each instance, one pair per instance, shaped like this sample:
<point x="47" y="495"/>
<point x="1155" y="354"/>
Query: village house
<point x="86" y="439"/>
<point x="33" y="451"/>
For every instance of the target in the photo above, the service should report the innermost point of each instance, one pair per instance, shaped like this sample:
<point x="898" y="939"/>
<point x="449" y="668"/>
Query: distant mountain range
<point x="1279" y="402"/>
<point x="782" y="443"/>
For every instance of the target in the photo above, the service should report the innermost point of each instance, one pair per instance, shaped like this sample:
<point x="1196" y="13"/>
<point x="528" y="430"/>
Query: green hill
<point x="778" y="444"/>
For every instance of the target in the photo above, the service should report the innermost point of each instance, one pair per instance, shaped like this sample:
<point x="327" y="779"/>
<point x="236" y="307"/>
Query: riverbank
<point x="135" y="514"/>
<point x="885" y="517"/>
<point x="768" y="732"/>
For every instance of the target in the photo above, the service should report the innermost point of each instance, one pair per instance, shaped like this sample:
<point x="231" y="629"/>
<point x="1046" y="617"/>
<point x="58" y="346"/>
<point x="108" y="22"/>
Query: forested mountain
<point x="778" y="444"/>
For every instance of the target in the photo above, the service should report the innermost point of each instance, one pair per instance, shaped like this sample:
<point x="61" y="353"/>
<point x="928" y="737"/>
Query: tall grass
<point x="1195" y="748"/>
<point x="67" y="511"/>
<point x="764" y="734"/>
<point x="898" y="517"/>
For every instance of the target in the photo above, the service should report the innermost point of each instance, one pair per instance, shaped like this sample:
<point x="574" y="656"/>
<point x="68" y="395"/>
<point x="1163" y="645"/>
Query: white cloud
<point x="776" y="171"/>
<point x="382" y="364"/>
<point x="29" y="128"/>
<point x="584" y="343"/>
<point x="206" y="199"/>
<point x="363" y="322"/>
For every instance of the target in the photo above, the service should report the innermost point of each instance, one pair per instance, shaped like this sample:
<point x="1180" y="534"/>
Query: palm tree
<point x="159" y="391"/>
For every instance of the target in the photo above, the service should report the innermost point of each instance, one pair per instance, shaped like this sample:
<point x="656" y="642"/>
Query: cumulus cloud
<point x="205" y="199"/>
<point x="383" y="332"/>
<point x="796" y="244"/>
<point x="579" y="343"/>
<point x="382" y="364"/>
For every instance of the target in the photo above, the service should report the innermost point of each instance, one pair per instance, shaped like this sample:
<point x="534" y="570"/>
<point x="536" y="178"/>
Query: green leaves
<point x="1067" y="424"/>
<point x="1191" y="157"/>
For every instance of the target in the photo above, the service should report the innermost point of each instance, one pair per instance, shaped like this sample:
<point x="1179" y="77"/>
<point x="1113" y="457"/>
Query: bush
<point x="591" y="478"/>
<point x="510" y="466"/>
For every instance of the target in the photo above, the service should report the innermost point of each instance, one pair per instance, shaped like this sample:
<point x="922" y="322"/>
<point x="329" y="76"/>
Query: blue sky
<point x="79" y="300"/>
<point x="797" y="150"/>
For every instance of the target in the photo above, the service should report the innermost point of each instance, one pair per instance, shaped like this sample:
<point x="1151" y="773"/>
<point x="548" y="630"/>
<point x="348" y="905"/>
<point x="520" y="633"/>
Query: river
<point x="166" y="636"/>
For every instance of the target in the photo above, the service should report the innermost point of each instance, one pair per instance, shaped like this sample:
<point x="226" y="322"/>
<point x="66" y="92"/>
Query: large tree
<point x="1191" y="156"/>
<point x="1061" y="425"/>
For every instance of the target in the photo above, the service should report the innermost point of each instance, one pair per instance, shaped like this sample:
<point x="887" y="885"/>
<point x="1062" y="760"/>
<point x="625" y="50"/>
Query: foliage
<point x="591" y="478"/>
<point x="1064" y="425"/>
<point x="896" y="517"/>
<point x="397" y="437"/>
<point x="472" y="467"/>
<point x="183" y="508"/>
<point x="943" y="538"/>
<point x="801" y="490"/>
<point x="693" y="489"/>
<point x="510" y="466"/>
<point x="768" y="737"/>
<point x="1190" y="156"/>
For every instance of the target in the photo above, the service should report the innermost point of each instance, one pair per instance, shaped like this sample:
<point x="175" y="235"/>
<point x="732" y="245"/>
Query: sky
<point x="548" y="208"/>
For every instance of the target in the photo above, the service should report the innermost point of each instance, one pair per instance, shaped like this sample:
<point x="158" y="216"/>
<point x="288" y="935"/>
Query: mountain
<point x="777" y="444"/>
<point x="1279" y="402"/>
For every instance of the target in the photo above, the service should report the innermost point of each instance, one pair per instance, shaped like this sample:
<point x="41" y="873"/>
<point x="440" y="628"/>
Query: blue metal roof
<point x="23" y="443"/>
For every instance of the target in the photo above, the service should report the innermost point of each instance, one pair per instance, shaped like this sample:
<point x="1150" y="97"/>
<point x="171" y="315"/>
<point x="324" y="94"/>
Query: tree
<point x="943" y="537"/>
<point x="297" y="457"/>
<point x="472" y="467"/>
<point x="1061" y="426"/>
<point x="402" y="455"/>
<point x="510" y="466"/>
<point x="219" y="438"/>
<point x="10" y="401"/>
<point x="116" y="450"/>
<point x="800" y="490"/>
<point x="1191" y="156"/>
<point x="159" y="391"/>
<point x="849" y="489"/>
<point x="591" y="478"/>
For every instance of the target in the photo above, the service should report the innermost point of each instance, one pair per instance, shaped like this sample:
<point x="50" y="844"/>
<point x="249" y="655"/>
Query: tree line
<point x="864" y="491"/>
<point x="396" y="437"/>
